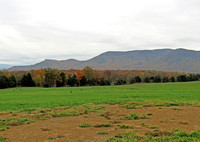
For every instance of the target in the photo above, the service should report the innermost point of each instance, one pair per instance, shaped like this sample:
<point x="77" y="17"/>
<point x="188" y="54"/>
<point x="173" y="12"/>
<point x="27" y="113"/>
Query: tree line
<point x="88" y="77"/>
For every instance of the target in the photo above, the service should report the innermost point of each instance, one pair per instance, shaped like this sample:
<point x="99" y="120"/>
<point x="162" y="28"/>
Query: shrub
<point x="133" y="116"/>
<point x="84" y="125"/>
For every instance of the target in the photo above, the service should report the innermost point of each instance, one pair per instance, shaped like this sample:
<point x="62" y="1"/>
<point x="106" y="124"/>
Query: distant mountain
<point x="4" y="66"/>
<point x="178" y="60"/>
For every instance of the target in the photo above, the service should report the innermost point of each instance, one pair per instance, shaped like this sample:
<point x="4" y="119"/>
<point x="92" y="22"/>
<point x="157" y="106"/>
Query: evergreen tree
<point x="172" y="79"/>
<point x="62" y="81"/>
<point x="27" y="81"/>
<point x="83" y="81"/>
<point x="4" y="82"/>
<point x="181" y="78"/>
<point x="138" y="79"/>
<point x="72" y="80"/>
<point x="30" y="82"/>
<point x="24" y="80"/>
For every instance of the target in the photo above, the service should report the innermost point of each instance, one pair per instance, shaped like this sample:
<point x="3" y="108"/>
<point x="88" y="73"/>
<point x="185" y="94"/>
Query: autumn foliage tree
<point x="38" y="77"/>
<point x="56" y="78"/>
<point x="79" y="75"/>
<point x="88" y="72"/>
<point x="107" y="74"/>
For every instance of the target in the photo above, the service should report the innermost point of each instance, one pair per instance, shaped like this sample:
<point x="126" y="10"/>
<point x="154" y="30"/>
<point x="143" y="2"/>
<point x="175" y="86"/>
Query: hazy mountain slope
<point x="127" y="60"/>
<point x="4" y="66"/>
<point x="179" y="60"/>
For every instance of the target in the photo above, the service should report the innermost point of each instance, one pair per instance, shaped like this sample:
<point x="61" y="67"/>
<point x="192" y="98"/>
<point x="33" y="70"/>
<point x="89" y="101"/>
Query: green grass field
<point x="23" y="98"/>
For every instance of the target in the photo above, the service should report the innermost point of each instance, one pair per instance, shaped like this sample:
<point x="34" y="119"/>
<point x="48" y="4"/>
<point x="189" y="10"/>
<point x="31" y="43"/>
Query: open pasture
<point x="24" y="98"/>
<point x="139" y="112"/>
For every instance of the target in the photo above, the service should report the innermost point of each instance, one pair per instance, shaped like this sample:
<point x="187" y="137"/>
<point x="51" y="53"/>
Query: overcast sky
<point x="34" y="30"/>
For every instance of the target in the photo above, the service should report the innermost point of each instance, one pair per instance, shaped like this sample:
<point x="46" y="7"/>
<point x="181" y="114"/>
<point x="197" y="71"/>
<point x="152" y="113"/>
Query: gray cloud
<point x="31" y="31"/>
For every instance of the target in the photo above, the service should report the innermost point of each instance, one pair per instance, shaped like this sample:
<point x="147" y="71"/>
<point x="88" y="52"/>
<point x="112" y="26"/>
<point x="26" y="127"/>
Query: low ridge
<point x="178" y="60"/>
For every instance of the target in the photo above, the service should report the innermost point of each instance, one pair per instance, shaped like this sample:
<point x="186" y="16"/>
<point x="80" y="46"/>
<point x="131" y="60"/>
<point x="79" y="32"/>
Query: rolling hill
<point x="178" y="60"/>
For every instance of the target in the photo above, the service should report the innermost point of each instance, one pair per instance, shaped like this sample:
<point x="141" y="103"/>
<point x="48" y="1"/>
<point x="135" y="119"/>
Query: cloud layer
<point x="33" y="30"/>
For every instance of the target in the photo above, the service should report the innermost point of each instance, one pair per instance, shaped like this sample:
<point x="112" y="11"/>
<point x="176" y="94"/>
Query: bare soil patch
<point x="62" y="129"/>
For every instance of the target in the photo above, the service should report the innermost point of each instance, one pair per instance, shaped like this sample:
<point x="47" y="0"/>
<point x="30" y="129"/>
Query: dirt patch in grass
<point x="67" y="128"/>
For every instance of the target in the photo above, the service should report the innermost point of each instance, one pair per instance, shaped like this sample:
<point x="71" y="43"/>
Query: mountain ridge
<point x="173" y="60"/>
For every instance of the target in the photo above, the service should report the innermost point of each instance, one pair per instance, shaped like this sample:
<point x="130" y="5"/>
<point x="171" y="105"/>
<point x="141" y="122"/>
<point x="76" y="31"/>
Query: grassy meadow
<point x="31" y="98"/>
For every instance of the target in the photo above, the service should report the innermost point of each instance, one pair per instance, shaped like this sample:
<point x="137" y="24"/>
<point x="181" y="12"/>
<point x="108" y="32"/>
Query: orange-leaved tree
<point x="79" y="75"/>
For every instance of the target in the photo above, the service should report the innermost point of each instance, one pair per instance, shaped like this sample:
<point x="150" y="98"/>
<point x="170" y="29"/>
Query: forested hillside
<point x="179" y="60"/>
